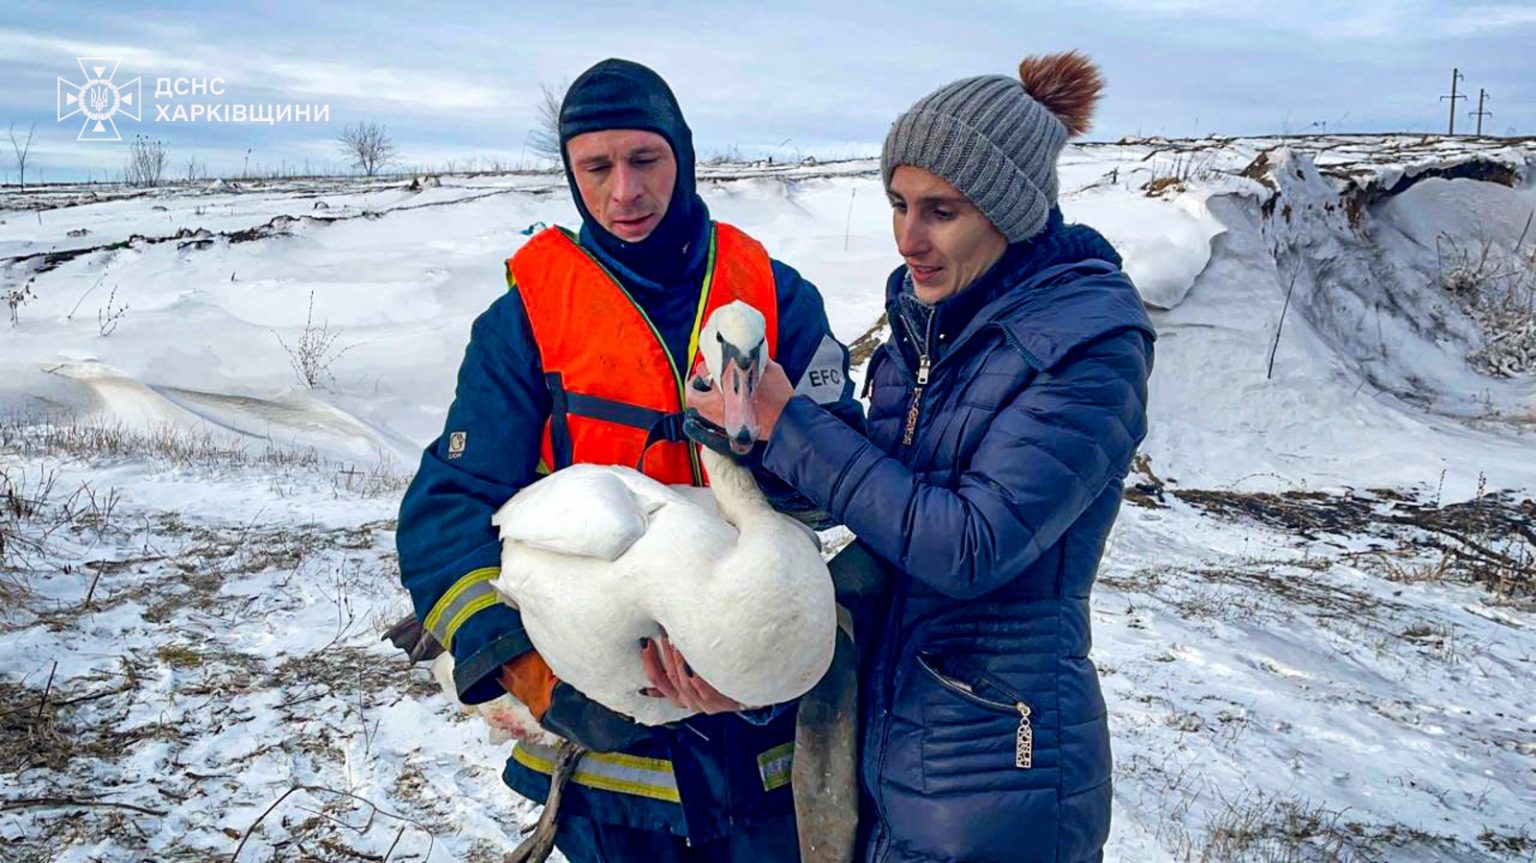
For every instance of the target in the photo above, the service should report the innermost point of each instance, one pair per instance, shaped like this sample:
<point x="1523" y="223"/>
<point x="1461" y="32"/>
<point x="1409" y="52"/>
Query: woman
<point x="1003" y="415"/>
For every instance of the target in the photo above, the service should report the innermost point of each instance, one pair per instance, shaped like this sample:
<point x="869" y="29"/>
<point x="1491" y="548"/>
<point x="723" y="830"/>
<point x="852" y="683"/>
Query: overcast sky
<point x="788" y="78"/>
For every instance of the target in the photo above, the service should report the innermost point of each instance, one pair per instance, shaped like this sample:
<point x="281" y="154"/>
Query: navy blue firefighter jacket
<point x="489" y="450"/>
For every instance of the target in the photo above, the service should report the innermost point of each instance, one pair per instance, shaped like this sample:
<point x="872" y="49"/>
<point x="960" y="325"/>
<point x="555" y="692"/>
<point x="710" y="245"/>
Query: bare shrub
<point x="1497" y="288"/>
<point x="110" y="315"/>
<point x="368" y="145"/>
<point x="146" y="164"/>
<point x="379" y="480"/>
<point x="23" y="502"/>
<point x="16" y="297"/>
<point x="729" y="156"/>
<point x="32" y="509"/>
<point x="315" y="351"/>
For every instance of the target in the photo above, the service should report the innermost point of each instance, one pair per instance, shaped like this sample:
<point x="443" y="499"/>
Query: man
<point x="584" y="359"/>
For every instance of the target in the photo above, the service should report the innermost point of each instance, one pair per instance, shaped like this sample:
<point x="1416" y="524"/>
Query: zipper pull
<point x="1024" y="747"/>
<point x="917" y="400"/>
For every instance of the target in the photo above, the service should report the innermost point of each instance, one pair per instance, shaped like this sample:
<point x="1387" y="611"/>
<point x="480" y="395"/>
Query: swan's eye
<point x="720" y="338"/>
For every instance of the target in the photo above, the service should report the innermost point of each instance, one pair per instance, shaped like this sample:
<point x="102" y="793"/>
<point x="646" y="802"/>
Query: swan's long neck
<point x="773" y="611"/>
<point x="735" y="489"/>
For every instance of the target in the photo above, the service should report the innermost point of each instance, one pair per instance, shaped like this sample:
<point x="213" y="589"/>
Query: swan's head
<point x="733" y="344"/>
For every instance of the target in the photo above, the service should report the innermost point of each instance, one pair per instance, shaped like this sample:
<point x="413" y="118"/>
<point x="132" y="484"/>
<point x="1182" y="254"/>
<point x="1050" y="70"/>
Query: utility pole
<point x="1482" y="96"/>
<point x="1456" y="76"/>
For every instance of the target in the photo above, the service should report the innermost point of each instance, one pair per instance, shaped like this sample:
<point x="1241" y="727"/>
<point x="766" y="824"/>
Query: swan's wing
<point x="703" y="498"/>
<point x="583" y="511"/>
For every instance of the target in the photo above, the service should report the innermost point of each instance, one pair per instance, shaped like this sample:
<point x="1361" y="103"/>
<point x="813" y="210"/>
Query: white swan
<point x="598" y="557"/>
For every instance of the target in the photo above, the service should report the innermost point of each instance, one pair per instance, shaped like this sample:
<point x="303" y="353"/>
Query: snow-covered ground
<point x="1315" y="615"/>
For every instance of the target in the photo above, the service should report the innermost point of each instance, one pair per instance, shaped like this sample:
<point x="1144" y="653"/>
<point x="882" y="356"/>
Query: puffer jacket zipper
<point x="977" y="688"/>
<point x="923" y="365"/>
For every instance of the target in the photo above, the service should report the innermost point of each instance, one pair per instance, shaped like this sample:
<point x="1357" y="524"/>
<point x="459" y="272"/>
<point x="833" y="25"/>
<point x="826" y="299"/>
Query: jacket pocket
<point x="978" y="732"/>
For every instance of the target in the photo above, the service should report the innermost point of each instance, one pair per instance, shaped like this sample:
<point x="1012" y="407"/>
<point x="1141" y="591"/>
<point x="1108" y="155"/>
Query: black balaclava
<point x="619" y="94"/>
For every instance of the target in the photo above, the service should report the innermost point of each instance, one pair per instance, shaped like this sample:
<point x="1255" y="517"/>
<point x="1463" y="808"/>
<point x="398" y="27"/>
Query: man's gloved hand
<point x="515" y="715"/>
<point x="580" y="719"/>
<point x="528" y="679"/>
<point x="559" y="708"/>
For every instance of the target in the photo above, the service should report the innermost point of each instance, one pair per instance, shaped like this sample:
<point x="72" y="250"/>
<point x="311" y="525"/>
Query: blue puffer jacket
<point x="993" y="519"/>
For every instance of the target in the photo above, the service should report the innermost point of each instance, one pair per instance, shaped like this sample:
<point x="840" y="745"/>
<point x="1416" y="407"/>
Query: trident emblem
<point x="99" y="98"/>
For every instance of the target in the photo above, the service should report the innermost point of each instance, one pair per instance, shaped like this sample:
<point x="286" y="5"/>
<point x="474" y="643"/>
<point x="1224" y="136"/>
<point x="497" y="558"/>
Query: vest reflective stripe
<point x="609" y="771"/>
<point x="470" y="594"/>
<point x="616" y="395"/>
<point x="775" y="764"/>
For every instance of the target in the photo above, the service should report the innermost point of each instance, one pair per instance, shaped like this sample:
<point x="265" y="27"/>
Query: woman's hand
<point x="768" y="398"/>
<point x="673" y="679"/>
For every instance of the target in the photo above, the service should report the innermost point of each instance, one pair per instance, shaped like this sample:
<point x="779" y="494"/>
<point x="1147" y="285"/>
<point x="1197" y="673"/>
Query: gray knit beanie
<point x="996" y="139"/>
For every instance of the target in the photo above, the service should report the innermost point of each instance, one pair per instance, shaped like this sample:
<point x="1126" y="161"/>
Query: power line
<point x="1456" y="77"/>
<point x="1482" y="96"/>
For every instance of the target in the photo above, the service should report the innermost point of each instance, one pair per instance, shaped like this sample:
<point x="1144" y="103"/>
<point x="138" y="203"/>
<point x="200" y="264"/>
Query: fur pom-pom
<point x="1068" y="85"/>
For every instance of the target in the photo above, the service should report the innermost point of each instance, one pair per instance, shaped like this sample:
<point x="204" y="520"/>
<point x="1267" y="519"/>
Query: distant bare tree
<point x="21" y="149"/>
<point x="368" y="145"/>
<point x="146" y="162"/>
<point x="544" y="140"/>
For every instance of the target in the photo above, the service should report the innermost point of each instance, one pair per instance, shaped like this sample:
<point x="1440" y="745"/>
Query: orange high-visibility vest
<point x="616" y="396"/>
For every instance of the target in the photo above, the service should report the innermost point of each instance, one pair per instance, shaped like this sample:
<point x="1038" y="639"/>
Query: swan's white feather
<point x="592" y="511"/>
<point x="597" y="558"/>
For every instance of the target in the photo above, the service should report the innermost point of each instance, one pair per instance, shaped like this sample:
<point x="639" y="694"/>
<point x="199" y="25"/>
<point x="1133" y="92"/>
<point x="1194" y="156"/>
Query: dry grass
<point x="44" y="727"/>
<point x="1172" y="176"/>
<point x="864" y="346"/>
<point x="1146" y="488"/>
<point x="34" y="509"/>
<point x="1160" y="185"/>
<point x="351" y="671"/>
<point x="1520" y="845"/>
<point x="1272" y="829"/>
<point x="1254" y="589"/>
<point x="1489" y="540"/>
<point x="97" y="441"/>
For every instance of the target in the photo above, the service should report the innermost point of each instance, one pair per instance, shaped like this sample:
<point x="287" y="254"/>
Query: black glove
<point x="701" y="430"/>
<point x="581" y="720"/>
<point x="857" y="574"/>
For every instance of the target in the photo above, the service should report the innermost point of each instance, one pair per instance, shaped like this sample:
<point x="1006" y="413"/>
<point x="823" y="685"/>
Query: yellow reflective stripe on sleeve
<point x="470" y="609"/>
<point x="608" y="771"/>
<point x="774" y="765"/>
<point x="469" y="594"/>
